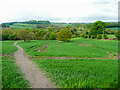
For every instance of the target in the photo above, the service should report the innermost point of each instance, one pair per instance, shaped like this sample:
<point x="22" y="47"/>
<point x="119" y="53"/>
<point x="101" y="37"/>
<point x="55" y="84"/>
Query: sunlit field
<point x="77" y="47"/>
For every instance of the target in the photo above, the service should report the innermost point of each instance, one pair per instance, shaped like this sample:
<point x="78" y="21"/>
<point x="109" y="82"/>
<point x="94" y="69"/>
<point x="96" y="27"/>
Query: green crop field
<point x="66" y="73"/>
<point x="114" y="28"/>
<point x="22" y="26"/>
<point x="11" y="75"/>
<point x="8" y="48"/>
<point x="81" y="73"/>
<point x="77" y="47"/>
<point x="111" y="36"/>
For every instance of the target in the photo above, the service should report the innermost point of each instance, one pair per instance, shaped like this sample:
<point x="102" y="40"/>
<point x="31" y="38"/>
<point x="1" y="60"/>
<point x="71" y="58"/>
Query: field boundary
<point x="69" y="58"/>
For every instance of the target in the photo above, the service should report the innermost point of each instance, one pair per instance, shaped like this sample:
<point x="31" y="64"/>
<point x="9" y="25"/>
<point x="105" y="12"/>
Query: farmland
<point x="75" y="72"/>
<point x="78" y="47"/>
<point x="66" y="73"/>
<point x="114" y="28"/>
<point x="22" y="26"/>
<point x="71" y="55"/>
<point x="81" y="73"/>
<point x="6" y="45"/>
<point x="11" y="74"/>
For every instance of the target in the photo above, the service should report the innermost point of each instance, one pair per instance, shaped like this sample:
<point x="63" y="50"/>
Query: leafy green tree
<point x="4" y="25"/>
<point x="37" y="35"/>
<point x="64" y="35"/>
<point x="52" y="36"/>
<point x="5" y="36"/>
<point x="42" y="34"/>
<point x="117" y="34"/>
<point x="50" y="28"/>
<point x="46" y="36"/>
<point x="12" y="37"/>
<point x="93" y="36"/>
<point x="97" y="28"/>
<point x="24" y="35"/>
<point x="105" y="36"/>
<point x="99" y="36"/>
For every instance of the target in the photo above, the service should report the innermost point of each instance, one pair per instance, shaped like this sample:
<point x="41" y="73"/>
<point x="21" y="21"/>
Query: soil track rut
<point x="35" y="77"/>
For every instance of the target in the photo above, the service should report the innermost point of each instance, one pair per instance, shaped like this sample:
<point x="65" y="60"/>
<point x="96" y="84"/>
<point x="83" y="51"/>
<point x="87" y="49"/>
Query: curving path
<point x="35" y="77"/>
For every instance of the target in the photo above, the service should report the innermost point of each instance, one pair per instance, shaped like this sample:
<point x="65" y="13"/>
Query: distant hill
<point x="29" y="22"/>
<point x="34" y="24"/>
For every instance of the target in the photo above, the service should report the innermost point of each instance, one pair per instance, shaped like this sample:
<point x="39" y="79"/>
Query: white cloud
<point x="58" y="10"/>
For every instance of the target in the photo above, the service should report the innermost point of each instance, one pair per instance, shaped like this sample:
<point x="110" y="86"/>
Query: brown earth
<point x="32" y="73"/>
<point x="82" y="44"/>
<point x="56" y="45"/>
<point x="43" y="48"/>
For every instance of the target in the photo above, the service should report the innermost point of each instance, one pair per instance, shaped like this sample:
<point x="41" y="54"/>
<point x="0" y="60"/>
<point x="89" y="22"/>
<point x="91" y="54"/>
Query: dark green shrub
<point x="5" y="37"/>
<point x="89" y="36"/>
<point x="52" y="36"/>
<point x="117" y="34"/>
<point x="93" y="36"/>
<point x="73" y="36"/>
<point x="99" y="36"/>
<point x="81" y="35"/>
<point x="85" y="36"/>
<point x="105" y="36"/>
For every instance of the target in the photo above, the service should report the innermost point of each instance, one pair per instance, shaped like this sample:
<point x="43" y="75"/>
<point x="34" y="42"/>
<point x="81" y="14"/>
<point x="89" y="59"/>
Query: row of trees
<point x="62" y="33"/>
<point x="10" y="34"/>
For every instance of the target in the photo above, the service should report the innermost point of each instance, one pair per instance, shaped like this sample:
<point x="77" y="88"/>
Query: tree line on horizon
<point x="62" y="33"/>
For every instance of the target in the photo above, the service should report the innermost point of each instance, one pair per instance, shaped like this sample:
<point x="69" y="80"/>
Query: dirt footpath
<point x="33" y="74"/>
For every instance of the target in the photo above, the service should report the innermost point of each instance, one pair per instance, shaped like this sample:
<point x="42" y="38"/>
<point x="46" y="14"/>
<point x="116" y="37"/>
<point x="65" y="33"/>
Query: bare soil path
<point x="35" y="77"/>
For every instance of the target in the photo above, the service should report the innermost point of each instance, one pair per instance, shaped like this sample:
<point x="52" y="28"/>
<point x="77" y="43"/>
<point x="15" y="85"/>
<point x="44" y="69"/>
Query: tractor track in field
<point x="115" y="57"/>
<point x="32" y="73"/>
<point x="48" y="57"/>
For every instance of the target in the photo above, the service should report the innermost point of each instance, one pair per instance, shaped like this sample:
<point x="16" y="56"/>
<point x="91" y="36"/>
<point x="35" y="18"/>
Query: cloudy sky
<point x="59" y="10"/>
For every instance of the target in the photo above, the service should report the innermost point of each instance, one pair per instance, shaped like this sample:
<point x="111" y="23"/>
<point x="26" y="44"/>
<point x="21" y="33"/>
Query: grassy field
<point x="111" y="36"/>
<point x="77" y="73"/>
<point x="81" y="73"/>
<point x="8" y="48"/>
<point x="11" y="75"/>
<point x="66" y="73"/>
<point x="22" y="26"/>
<point x="113" y="28"/>
<point x="78" y="47"/>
